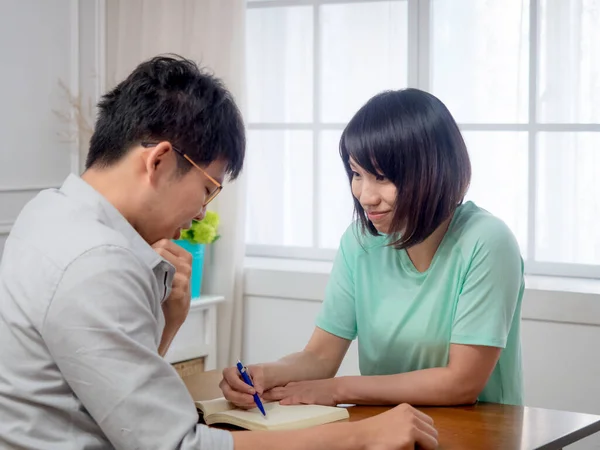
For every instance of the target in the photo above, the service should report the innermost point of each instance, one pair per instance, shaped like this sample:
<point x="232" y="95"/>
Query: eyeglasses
<point x="218" y="187"/>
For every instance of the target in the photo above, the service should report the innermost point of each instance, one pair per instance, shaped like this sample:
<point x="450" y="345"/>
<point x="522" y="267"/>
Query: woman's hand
<point x="237" y="391"/>
<point x="315" y="392"/>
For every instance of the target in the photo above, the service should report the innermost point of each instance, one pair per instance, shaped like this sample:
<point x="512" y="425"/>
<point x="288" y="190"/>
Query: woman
<point x="429" y="285"/>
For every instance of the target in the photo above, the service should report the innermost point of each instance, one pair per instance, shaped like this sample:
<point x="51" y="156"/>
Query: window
<point x="522" y="78"/>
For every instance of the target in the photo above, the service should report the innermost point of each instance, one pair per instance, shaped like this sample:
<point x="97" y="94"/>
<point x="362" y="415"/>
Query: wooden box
<point x="189" y="368"/>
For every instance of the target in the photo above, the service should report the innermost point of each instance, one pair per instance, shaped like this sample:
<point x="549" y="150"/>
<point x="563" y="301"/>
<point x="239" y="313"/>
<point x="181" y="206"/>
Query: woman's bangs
<point x="361" y="146"/>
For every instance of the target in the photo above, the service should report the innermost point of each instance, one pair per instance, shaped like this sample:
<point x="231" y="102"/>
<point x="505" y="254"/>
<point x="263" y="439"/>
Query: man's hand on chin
<point x="177" y="305"/>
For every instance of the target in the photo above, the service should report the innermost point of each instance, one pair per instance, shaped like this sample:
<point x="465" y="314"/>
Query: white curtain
<point x="210" y="32"/>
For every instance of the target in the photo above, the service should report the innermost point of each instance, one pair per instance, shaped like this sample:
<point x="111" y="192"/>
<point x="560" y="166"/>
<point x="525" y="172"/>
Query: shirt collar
<point x="76" y="187"/>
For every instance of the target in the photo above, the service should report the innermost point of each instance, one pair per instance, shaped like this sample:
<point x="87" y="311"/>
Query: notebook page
<point x="278" y="415"/>
<point x="214" y="406"/>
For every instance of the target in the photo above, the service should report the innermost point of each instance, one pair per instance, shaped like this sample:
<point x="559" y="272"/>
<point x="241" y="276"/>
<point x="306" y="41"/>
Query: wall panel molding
<point x="82" y="46"/>
<point x="74" y="78"/>
<point x="32" y="188"/>
<point x="5" y="228"/>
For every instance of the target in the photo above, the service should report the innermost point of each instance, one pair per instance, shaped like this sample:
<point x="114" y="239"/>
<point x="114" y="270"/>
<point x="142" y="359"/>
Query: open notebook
<point x="278" y="417"/>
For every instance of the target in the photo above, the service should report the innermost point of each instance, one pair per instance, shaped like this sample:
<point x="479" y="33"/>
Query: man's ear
<point x="158" y="160"/>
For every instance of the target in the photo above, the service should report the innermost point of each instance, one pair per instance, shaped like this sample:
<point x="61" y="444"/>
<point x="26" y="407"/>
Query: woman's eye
<point x="355" y="174"/>
<point x="380" y="178"/>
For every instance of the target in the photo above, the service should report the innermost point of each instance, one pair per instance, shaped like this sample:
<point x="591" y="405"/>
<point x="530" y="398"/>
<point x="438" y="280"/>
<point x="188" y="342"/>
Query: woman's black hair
<point x="410" y="138"/>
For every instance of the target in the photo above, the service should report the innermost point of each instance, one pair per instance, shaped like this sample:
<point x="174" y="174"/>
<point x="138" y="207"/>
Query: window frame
<point x="418" y="76"/>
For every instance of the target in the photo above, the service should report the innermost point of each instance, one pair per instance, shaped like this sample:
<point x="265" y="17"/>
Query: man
<point x="92" y="289"/>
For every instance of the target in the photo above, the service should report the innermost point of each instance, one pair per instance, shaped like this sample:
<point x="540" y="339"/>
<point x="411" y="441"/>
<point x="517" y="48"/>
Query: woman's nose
<point x="369" y="195"/>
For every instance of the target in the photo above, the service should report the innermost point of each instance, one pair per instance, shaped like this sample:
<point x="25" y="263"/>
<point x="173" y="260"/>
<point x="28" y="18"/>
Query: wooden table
<point x="483" y="426"/>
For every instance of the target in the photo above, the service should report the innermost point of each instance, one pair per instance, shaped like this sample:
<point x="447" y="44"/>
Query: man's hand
<point x="401" y="428"/>
<point x="177" y="305"/>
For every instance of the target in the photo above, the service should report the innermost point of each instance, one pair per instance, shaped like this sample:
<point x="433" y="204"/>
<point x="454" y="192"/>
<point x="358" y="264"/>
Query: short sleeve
<point x="491" y="291"/>
<point x="338" y="312"/>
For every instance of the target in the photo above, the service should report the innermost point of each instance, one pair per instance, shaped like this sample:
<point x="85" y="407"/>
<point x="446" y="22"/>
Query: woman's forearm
<point x="300" y="366"/>
<point x="437" y="386"/>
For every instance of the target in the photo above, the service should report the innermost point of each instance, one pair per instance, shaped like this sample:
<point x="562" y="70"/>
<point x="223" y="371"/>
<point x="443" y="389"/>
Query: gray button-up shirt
<point x="80" y="324"/>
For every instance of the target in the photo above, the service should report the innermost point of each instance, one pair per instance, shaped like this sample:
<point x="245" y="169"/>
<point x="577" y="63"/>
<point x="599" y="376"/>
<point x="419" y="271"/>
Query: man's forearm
<point x="299" y="366"/>
<point x="168" y="335"/>
<point x="436" y="386"/>
<point x="329" y="437"/>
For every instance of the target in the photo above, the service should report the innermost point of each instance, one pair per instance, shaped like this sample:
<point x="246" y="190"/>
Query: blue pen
<point x="244" y="373"/>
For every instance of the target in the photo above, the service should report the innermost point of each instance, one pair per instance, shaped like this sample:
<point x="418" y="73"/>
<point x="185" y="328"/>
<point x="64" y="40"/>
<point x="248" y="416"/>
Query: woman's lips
<point x="375" y="216"/>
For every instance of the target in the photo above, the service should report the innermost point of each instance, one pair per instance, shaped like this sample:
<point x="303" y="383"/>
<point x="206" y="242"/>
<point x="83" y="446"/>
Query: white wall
<point x="560" y="331"/>
<point x="43" y="42"/>
<point x="275" y="327"/>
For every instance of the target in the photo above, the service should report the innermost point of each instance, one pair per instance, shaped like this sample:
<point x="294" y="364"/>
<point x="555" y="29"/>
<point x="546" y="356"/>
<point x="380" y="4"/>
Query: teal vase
<point x="197" y="251"/>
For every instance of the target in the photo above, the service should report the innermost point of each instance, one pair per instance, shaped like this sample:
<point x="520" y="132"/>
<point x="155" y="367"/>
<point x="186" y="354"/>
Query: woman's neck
<point x="422" y="254"/>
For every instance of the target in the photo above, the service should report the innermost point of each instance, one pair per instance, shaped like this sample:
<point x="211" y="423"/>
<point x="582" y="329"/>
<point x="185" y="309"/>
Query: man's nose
<point x="201" y="215"/>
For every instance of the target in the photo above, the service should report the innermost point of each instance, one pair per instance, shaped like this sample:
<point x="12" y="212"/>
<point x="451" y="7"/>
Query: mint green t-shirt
<point x="406" y="320"/>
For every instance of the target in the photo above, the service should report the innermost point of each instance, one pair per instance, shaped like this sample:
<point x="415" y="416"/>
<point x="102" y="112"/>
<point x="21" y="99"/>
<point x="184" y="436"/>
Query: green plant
<point x="203" y="231"/>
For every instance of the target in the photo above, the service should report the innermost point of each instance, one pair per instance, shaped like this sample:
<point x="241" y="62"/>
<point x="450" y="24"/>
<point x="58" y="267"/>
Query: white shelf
<point x="197" y="337"/>
<point x="205" y="300"/>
